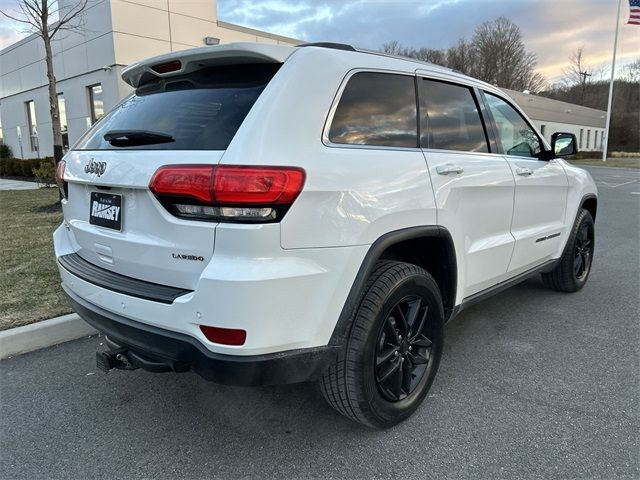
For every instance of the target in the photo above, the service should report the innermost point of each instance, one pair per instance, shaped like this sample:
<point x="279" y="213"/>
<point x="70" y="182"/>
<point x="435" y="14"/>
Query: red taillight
<point x="167" y="67"/>
<point x="256" y="185"/>
<point x="228" y="192"/>
<point x="192" y="181"/>
<point x="225" y="336"/>
<point x="62" y="185"/>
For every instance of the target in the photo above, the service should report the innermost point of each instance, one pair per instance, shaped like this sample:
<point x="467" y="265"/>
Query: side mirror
<point x="563" y="144"/>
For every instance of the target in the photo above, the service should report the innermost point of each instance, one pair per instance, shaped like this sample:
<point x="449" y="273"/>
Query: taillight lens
<point x="227" y="192"/>
<point x="224" y="336"/>
<point x="62" y="185"/>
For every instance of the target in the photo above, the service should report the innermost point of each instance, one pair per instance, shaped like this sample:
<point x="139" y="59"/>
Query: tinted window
<point x="514" y="133"/>
<point x="377" y="109"/>
<point x="450" y="119"/>
<point x="201" y="111"/>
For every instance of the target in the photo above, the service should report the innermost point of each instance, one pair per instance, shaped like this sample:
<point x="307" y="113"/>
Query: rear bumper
<point x="179" y="352"/>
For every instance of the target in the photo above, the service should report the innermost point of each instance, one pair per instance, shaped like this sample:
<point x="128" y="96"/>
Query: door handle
<point x="525" y="172"/>
<point x="448" y="169"/>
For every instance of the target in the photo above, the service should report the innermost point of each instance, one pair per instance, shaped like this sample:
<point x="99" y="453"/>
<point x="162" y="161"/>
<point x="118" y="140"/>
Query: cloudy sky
<point x="552" y="28"/>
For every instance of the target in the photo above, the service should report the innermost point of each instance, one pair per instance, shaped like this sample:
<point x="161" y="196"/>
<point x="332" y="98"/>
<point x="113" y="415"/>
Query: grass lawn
<point x="30" y="283"/>
<point x="611" y="162"/>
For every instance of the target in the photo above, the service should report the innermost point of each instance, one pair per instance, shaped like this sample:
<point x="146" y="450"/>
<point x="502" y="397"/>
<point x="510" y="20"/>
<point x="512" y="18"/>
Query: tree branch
<point x="69" y="16"/>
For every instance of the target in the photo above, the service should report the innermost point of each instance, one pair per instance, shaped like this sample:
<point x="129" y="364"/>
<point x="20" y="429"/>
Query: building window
<point x="580" y="142"/>
<point x="542" y="129"/>
<point x="595" y="139"/>
<point x="62" y="110"/>
<point x="31" y="123"/>
<point x="588" y="139"/>
<point x="602" y="141"/>
<point x="95" y="102"/>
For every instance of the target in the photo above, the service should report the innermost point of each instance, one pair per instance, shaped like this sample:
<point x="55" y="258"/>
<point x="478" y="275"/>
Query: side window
<point x="450" y="119"/>
<point x="514" y="133"/>
<point x="377" y="109"/>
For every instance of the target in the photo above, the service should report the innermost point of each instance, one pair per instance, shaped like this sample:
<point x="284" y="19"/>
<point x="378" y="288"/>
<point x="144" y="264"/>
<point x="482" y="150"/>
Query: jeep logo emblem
<point x="95" y="167"/>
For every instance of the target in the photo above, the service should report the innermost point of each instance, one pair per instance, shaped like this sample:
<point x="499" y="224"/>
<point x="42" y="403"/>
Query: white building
<point x="550" y="116"/>
<point x="88" y="64"/>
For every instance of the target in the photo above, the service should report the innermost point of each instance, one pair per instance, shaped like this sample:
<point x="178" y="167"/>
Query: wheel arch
<point x="430" y="247"/>
<point x="590" y="203"/>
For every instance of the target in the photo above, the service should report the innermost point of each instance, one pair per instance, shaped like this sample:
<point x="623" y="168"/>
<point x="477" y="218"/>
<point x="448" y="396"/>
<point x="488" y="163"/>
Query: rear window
<point x="201" y="110"/>
<point x="377" y="109"/>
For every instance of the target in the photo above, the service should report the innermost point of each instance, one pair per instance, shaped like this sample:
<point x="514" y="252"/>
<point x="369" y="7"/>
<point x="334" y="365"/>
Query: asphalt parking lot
<point x="533" y="384"/>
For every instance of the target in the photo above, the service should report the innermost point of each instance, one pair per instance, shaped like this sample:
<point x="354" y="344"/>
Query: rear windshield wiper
<point x="132" y="138"/>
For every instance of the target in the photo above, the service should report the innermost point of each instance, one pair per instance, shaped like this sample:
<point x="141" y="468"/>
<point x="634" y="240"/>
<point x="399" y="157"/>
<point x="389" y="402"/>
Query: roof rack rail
<point x="335" y="46"/>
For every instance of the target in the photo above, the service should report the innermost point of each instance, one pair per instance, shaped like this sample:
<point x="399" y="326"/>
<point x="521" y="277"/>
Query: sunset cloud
<point x="552" y="29"/>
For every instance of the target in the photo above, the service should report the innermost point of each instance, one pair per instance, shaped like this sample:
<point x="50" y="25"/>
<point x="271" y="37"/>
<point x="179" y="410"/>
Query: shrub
<point x="15" y="167"/>
<point x="587" y="155"/>
<point x="45" y="173"/>
<point x="5" y="151"/>
<point x="26" y="168"/>
<point x="625" y="154"/>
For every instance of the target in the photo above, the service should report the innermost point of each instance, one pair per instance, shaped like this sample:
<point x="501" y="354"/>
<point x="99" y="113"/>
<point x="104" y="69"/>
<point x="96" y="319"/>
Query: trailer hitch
<point x="117" y="358"/>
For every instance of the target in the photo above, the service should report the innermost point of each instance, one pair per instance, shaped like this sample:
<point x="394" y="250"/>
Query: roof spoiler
<point x="186" y="61"/>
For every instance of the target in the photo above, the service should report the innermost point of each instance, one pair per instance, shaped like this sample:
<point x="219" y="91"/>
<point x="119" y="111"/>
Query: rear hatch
<point x="172" y="119"/>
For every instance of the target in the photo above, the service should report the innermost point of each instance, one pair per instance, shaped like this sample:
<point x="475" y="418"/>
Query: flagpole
<point x="613" y="73"/>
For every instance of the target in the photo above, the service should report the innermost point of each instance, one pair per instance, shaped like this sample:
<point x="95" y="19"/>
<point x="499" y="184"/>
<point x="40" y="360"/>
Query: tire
<point x="572" y="271"/>
<point x="401" y="298"/>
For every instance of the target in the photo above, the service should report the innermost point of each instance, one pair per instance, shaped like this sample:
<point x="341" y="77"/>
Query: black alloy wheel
<point x="391" y="355"/>
<point x="403" y="349"/>
<point x="571" y="272"/>
<point x="583" y="251"/>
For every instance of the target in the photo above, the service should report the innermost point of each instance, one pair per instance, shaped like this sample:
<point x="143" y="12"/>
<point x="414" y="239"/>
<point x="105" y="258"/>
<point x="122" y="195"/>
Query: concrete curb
<point x="46" y="333"/>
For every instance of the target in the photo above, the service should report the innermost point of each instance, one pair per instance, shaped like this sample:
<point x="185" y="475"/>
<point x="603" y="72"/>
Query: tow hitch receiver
<point x="117" y="358"/>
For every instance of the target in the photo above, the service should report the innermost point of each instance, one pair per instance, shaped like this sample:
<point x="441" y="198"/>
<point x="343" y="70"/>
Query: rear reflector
<point x="227" y="192"/>
<point x="224" y="336"/>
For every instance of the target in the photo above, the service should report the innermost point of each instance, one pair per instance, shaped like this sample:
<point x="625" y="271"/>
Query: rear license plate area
<point x="105" y="210"/>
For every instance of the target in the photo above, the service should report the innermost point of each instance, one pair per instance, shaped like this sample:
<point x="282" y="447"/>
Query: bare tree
<point x="496" y="54"/>
<point x="578" y="72"/>
<point x="631" y="71"/>
<point x="501" y="57"/>
<point x="431" y="55"/>
<point x="460" y="57"/>
<point x="36" y="15"/>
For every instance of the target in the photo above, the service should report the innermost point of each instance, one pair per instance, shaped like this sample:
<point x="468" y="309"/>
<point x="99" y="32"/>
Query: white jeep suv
<point x="263" y="214"/>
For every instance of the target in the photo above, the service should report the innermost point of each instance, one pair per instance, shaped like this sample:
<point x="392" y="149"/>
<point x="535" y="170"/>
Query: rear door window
<point x="377" y="109"/>
<point x="198" y="111"/>
<point x="450" y="119"/>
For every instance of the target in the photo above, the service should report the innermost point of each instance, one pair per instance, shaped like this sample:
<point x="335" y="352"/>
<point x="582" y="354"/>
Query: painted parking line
<point x="615" y="185"/>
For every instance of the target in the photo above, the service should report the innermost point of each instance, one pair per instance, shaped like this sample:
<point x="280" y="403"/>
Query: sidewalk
<point x="17" y="185"/>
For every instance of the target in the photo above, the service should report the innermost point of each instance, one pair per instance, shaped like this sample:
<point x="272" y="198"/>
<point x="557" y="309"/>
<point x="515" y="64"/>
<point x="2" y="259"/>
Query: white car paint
<point x="286" y="283"/>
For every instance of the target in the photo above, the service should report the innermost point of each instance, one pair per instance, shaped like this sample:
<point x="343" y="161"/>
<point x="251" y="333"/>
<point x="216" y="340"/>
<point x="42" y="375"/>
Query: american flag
<point x="634" y="12"/>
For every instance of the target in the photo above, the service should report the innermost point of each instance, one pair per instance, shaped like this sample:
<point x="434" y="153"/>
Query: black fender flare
<point x="343" y="326"/>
